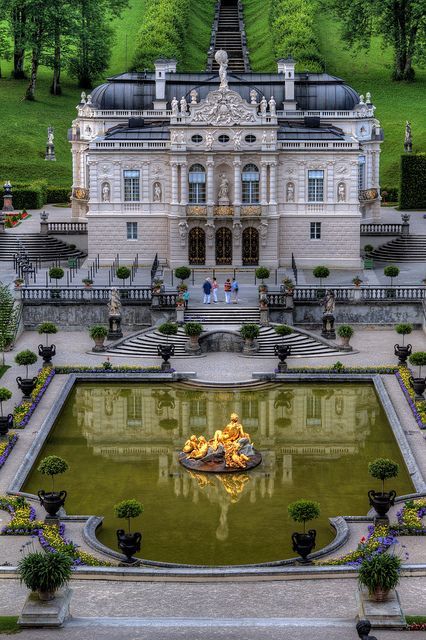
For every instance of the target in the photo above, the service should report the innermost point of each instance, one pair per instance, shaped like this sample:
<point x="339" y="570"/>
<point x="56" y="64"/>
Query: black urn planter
<point x="129" y="543"/>
<point x="382" y="502"/>
<point x="52" y="501"/>
<point x="166" y="351"/>
<point x="26" y="385"/>
<point x="303" y="543"/>
<point x="282" y="351"/>
<point x="6" y="423"/>
<point x="419" y="386"/>
<point x="402" y="353"/>
<point x="47" y="353"/>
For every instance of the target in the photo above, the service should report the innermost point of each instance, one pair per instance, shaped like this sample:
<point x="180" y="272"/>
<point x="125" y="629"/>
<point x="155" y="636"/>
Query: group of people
<point x="211" y="287"/>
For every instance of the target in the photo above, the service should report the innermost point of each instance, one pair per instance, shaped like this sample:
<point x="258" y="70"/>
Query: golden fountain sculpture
<point x="230" y="450"/>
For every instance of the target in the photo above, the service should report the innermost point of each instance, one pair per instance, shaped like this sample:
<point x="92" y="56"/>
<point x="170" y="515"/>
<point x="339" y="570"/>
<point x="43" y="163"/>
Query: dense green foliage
<point x="262" y="273"/>
<point x="52" y="466"/>
<point x="98" y="331"/>
<point x="5" y="394"/>
<point x="321" y="272"/>
<point x="293" y="32"/>
<point x="283" y="330"/>
<point x="168" y="328"/>
<point x="193" y="328"/>
<point x="56" y="273"/>
<point x="383" y="469"/>
<point x="47" y="572"/>
<point x="391" y="272"/>
<point x="418" y="359"/>
<point x="182" y="273"/>
<point x="413" y="181"/>
<point x="47" y="327"/>
<point x="30" y="196"/>
<point x="123" y="273"/>
<point x="345" y="331"/>
<point x="26" y="358"/>
<point x="128" y="509"/>
<point x="8" y="318"/>
<point x="404" y="329"/>
<point x="249" y="331"/>
<point x="380" y="571"/>
<point x="303" y="511"/>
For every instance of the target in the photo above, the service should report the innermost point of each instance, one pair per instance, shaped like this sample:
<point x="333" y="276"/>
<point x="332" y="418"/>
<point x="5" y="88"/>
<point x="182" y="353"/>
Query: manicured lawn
<point x="8" y="625"/>
<point x="259" y="41"/>
<point x="198" y="39"/>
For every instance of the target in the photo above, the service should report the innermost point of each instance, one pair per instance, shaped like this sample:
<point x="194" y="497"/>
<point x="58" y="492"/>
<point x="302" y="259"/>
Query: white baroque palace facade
<point x="228" y="169"/>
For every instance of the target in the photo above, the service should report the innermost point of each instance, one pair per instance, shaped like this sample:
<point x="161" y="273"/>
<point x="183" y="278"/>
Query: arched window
<point x="250" y="178"/>
<point x="197" y="184"/>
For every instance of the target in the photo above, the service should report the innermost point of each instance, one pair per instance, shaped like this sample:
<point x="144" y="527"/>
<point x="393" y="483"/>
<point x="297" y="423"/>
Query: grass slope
<point x="198" y="36"/>
<point x="259" y="41"/>
<point x="9" y="625"/>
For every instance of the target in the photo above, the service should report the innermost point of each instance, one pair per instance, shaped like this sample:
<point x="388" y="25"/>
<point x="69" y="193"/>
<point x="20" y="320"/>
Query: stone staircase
<point x="402" y="249"/>
<point x="145" y="345"/>
<point x="43" y="247"/>
<point x="228" y="36"/>
<point x="222" y="315"/>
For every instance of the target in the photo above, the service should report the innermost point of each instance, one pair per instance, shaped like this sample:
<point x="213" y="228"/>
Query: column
<point x="373" y="169"/>
<point x="301" y="181"/>
<point x="237" y="182"/>
<point x="184" y="183"/>
<point x="210" y="179"/>
<point x="263" y="183"/>
<point x="146" y="196"/>
<point x="174" y="183"/>
<point x="331" y="189"/>
<point x="273" y="183"/>
<point x="116" y="195"/>
<point x="369" y="168"/>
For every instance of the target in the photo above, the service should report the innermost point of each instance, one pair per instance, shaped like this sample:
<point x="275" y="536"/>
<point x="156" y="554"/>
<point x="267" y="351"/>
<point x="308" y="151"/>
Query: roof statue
<point x="221" y="58"/>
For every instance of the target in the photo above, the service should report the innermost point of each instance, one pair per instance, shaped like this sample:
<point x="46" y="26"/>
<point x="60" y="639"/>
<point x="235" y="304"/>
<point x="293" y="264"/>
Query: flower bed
<point x="403" y="376"/>
<point x="410" y="518"/>
<point x="23" y="412"/>
<point x="338" y="367"/>
<point x="6" y="447"/>
<point x="416" y="623"/>
<point x="51" y="537"/>
<point x="112" y="369"/>
<point x="378" y="541"/>
<point x="13" y="219"/>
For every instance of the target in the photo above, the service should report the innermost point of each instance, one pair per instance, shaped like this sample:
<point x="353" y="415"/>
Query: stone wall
<point x="221" y="341"/>
<point x="381" y="313"/>
<point x="73" y="316"/>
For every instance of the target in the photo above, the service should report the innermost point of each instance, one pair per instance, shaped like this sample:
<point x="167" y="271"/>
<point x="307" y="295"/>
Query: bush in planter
<point x="182" y="273"/>
<point x="380" y="572"/>
<point x="304" y="511"/>
<point x="45" y="572"/>
<point x="128" y="509"/>
<point x="321" y="272"/>
<point x="249" y="331"/>
<point x="25" y="359"/>
<point x="168" y="328"/>
<point x="262" y="273"/>
<point x="56" y="273"/>
<point x="418" y="359"/>
<point x="52" y="466"/>
<point x="47" y="328"/>
<point x="404" y="329"/>
<point x="87" y="281"/>
<point x="345" y="331"/>
<point x="123" y="273"/>
<point x="5" y="395"/>
<point x="98" y="332"/>
<point x="368" y="248"/>
<point x="357" y="281"/>
<point x="193" y="329"/>
<point x="391" y="272"/>
<point x="383" y="469"/>
<point x="283" y="330"/>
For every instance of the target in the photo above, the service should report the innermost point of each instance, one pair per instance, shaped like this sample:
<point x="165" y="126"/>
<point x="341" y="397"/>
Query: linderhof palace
<point x="226" y="169"/>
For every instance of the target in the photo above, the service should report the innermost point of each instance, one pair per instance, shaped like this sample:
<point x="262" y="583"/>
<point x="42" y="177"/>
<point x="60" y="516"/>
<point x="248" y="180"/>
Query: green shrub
<point x="123" y="273"/>
<point x="321" y="272"/>
<point x="413" y="181"/>
<point x="182" y="273"/>
<point x="193" y="328"/>
<point x="418" y="359"/>
<point x="389" y="194"/>
<point x="383" y="469"/>
<point x="380" y="571"/>
<point x="128" y="509"/>
<point x="283" y="330"/>
<point x="168" y="328"/>
<point x="58" y="195"/>
<point x="391" y="272"/>
<point x="337" y="366"/>
<point x="303" y="511"/>
<point x="30" y="196"/>
<point x="368" y="248"/>
<point x="25" y="358"/>
<point x="249" y="331"/>
<point x="98" y="331"/>
<point x="5" y="394"/>
<point x="345" y="331"/>
<point x="404" y="329"/>
<point x="47" y="328"/>
<point x="48" y="572"/>
<point x="56" y="273"/>
<point x="262" y="273"/>
<point x="52" y="466"/>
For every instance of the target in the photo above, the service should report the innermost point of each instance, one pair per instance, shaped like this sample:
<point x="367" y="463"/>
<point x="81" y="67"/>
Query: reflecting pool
<point x="122" y="441"/>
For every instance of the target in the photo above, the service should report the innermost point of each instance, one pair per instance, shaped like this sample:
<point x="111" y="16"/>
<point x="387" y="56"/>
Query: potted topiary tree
<point x="282" y="351"/>
<point x="6" y="422"/>
<point x="123" y="273"/>
<point x="193" y="330"/>
<point x="45" y="573"/>
<point x="98" y="333"/>
<point x="380" y="573"/>
<point x="56" y="273"/>
<point x="167" y="351"/>
<point x="262" y="274"/>
<point x="345" y="332"/>
<point x="25" y="359"/>
<point x="45" y="351"/>
<point x="249" y="332"/>
<point x="129" y="543"/>
<point x="182" y="273"/>
<point x="321" y="272"/>
<point x="391" y="272"/>
<point x="357" y="281"/>
<point x="52" y="501"/>
<point x="88" y="282"/>
<point x="304" y="511"/>
<point x="402" y="351"/>
<point x="418" y="359"/>
<point x="382" y="501"/>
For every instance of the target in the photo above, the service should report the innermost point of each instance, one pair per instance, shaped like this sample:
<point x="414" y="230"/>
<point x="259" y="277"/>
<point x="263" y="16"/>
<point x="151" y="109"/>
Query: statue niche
<point x="157" y="192"/>
<point x="106" y="192"/>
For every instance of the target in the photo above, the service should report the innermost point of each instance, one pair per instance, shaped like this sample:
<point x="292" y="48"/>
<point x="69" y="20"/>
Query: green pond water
<point x="122" y="441"/>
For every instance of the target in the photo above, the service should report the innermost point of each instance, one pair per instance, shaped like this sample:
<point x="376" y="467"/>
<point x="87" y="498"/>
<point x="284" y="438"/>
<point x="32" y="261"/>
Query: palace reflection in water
<point x="316" y="442"/>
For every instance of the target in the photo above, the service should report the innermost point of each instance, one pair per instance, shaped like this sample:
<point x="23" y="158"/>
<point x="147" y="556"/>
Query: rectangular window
<point x="132" y="231"/>
<point x="131" y="186"/>
<point x="315" y="230"/>
<point x="361" y="173"/>
<point x="315" y="186"/>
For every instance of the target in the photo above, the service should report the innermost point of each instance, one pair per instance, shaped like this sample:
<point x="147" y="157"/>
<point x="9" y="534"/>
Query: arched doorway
<point x="223" y="246"/>
<point x="250" y="255"/>
<point x="197" y="246"/>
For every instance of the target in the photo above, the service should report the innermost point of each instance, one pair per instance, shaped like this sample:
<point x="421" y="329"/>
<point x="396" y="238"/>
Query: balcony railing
<point x="381" y="229"/>
<point x="60" y="294"/>
<point x="67" y="227"/>
<point x="368" y="293"/>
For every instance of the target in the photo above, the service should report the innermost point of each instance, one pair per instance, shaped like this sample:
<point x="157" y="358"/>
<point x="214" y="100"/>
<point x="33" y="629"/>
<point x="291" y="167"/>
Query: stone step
<point x="407" y="249"/>
<point x="45" y="248"/>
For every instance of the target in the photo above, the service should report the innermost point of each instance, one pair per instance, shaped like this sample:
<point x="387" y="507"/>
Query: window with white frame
<point x="315" y="230"/>
<point x="131" y="186"/>
<point x="132" y="231"/>
<point x="361" y="173"/>
<point x="250" y="184"/>
<point x="197" y="184"/>
<point x="315" y="186"/>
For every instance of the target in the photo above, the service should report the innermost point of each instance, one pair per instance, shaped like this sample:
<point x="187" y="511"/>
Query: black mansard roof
<point x="313" y="91"/>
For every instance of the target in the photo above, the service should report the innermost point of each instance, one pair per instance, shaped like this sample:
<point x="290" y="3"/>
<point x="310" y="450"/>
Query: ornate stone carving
<point x="196" y="211"/>
<point x="183" y="106"/>
<point x="253" y="96"/>
<point x="290" y="192"/>
<point x="156" y="192"/>
<point x="194" y="96"/>
<point x="224" y="108"/>
<point x="106" y="192"/>
<point x="251" y="211"/>
<point x="272" y="106"/>
<point x="183" y="232"/>
<point x="209" y="140"/>
<point x="237" y="232"/>
<point x="175" y="107"/>
<point x="80" y="193"/>
<point x="263" y="233"/>
<point x="341" y="192"/>
<point x="221" y="58"/>
<point x="223" y="193"/>
<point x="237" y="140"/>
<point x="209" y="233"/>
<point x="224" y="210"/>
<point x="408" y="141"/>
<point x="263" y="106"/>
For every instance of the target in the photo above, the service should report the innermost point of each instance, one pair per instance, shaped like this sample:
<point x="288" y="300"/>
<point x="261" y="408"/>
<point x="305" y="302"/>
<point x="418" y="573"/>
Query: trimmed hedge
<point x="163" y="33"/>
<point x="34" y="195"/>
<point x="413" y="181"/>
<point x="293" y="33"/>
<point x="58" y="194"/>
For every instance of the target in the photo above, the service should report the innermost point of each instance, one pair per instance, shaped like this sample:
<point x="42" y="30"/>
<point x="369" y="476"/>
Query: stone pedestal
<point x="180" y="315"/>
<point x="328" y="330"/>
<point x="50" y="151"/>
<point x="264" y="316"/>
<point x="44" y="228"/>
<point x="50" y="613"/>
<point x="382" y="615"/>
<point x="115" y="332"/>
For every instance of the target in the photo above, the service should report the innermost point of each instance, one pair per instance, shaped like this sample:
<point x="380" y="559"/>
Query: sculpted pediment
<point x="224" y="108"/>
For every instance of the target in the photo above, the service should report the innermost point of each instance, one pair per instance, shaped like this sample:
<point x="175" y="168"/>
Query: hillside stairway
<point x="402" y="249"/>
<point x="229" y="314"/>
<point x="229" y="37"/>
<point x="43" y="247"/>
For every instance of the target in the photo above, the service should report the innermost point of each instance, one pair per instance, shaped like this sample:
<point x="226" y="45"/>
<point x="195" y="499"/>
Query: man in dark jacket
<point x="207" y="288"/>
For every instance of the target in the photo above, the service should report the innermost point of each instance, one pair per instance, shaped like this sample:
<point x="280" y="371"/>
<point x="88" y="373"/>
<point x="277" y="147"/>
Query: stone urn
<point x="6" y="423"/>
<point x="419" y="386"/>
<point x="46" y="353"/>
<point x="52" y="501"/>
<point x="129" y="543"/>
<point x="381" y="502"/>
<point x="282" y="351"/>
<point x="402" y="353"/>
<point x="166" y="351"/>
<point x="99" y="344"/>
<point x="303" y="543"/>
<point x="26" y="385"/>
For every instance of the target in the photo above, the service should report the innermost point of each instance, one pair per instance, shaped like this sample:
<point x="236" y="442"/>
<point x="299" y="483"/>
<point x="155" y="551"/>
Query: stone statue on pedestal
<point x="221" y="58"/>
<point x="328" y="319"/>
<point x="114" y="315"/>
<point x="50" y="147"/>
<point x="408" y="142"/>
<point x="223" y="194"/>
